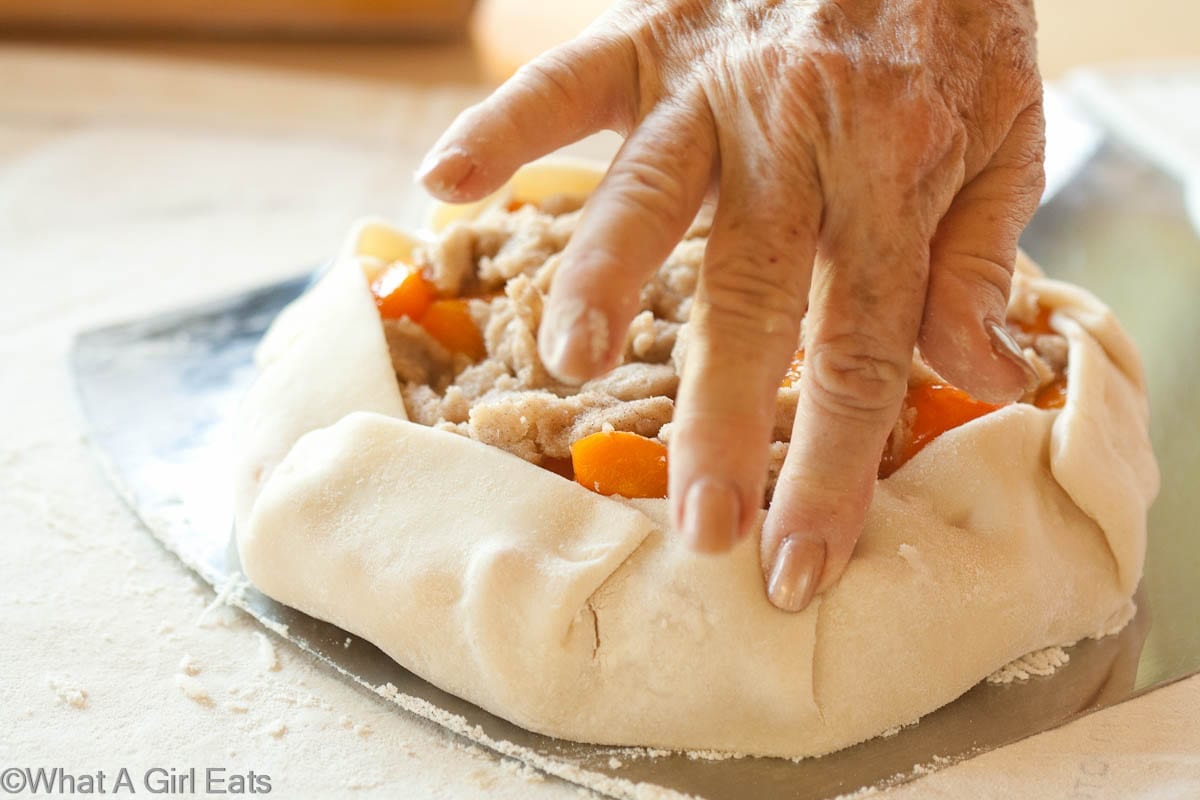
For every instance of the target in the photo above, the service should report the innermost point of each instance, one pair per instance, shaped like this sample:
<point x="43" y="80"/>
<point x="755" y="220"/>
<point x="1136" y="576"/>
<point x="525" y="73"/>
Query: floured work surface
<point x="159" y="445"/>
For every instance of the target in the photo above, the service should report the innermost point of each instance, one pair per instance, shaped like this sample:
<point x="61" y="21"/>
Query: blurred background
<point x="364" y="37"/>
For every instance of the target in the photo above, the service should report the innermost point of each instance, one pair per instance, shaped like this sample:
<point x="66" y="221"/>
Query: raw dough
<point x="578" y="615"/>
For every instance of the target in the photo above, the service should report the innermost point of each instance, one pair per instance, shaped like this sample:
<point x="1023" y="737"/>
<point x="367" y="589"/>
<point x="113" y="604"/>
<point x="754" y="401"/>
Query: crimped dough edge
<point x="578" y="616"/>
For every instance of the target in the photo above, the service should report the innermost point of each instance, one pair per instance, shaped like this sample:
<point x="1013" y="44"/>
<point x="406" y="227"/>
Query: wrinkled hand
<point x="875" y="162"/>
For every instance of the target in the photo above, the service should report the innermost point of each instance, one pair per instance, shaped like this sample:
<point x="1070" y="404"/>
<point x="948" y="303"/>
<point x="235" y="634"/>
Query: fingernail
<point x="711" y="512"/>
<point x="796" y="572"/>
<point x="1005" y="346"/>
<point x="443" y="170"/>
<point x="573" y="343"/>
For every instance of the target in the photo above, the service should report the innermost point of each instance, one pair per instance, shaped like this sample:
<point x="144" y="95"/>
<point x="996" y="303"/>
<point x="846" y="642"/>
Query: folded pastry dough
<point x="579" y="616"/>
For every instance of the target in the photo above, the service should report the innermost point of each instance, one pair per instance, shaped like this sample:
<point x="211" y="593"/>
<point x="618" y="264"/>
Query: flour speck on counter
<point x="193" y="689"/>
<point x="67" y="691"/>
<point x="268" y="658"/>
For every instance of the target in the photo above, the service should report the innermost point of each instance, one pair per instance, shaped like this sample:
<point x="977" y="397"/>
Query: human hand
<point x="874" y="161"/>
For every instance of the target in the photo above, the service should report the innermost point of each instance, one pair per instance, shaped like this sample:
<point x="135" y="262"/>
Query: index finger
<point x="568" y="92"/>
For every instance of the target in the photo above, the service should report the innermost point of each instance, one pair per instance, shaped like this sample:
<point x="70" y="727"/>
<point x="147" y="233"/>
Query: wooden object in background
<point x="301" y="18"/>
<point x="507" y="33"/>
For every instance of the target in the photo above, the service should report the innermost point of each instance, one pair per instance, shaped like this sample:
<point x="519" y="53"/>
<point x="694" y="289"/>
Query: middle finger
<point x="743" y="330"/>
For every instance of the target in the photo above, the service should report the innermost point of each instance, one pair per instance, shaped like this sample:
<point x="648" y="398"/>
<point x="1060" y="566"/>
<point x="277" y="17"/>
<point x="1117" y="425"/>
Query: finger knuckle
<point x="983" y="274"/>
<point x="1027" y="155"/>
<point x="883" y="100"/>
<point x="649" y="186"/>
<point x="552" y="77"/>
<point x="744" y="304"/>
<point x="926" y="130"/>
<point x="812" y="86"/>
<point x="857" y="376"/>
<point x="717" y="427"/>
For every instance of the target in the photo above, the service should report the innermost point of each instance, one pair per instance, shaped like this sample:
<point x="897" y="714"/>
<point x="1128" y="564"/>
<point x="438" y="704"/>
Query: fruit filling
<point x="461" y="319"/>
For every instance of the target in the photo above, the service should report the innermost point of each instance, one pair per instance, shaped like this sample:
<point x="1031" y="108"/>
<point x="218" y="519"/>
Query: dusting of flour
<point x="1038" y="663"/>
<point x="605" y="784"/>
<point x="268" y="659"/>
<point x="914" y="559"/>
<point x="67" y="691"/>
<point x="193" y="689"/>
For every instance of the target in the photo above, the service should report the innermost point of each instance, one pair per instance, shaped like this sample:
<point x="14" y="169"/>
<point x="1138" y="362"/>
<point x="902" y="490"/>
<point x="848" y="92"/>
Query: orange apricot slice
<point x="402" y="291"/>
<point x="792" y="376"/>
<point x="938" y="408"/>
<point x="1053" y="394"/>
<point x="450" y="322"/>
<point x="618" y="462"/>
<point x="1040" y="324"/>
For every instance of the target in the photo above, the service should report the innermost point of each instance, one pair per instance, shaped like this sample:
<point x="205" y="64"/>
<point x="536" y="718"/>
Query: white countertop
<point x="130" y="184"/>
